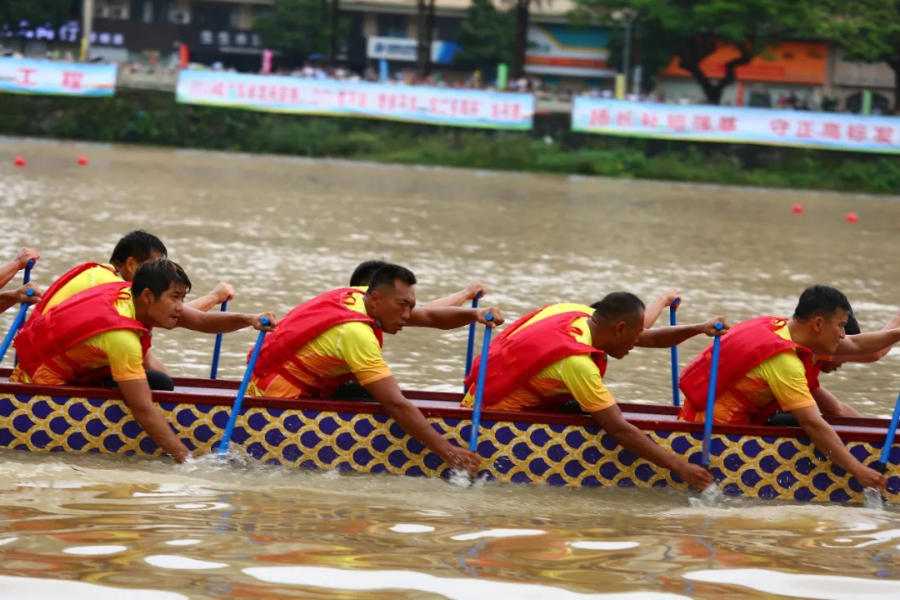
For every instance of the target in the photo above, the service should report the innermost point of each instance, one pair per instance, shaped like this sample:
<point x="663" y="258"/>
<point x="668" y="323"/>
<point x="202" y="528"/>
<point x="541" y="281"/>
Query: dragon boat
<point x="524" y="447"/>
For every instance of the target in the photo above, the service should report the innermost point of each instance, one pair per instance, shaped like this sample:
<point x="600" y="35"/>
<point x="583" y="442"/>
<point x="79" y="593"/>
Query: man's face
<point x="830" y="331"/>
<point x="131" y="265"/>
<point x="166" y="310"/>
<point x="626" y="336"/>
<point x="392" y="307"/>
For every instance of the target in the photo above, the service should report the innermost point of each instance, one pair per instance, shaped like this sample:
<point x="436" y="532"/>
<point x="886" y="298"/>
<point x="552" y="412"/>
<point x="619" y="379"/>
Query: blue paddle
<point x="479" y="386"/>
<point x="239" y="399"/>
<point x="711" y="398"/>
<point x="20" y="316"/>
<point x="470" y="349"/>
<point x="676" y="398"/>
<point x="889" y="440"/>
<point x="214" y="368"/>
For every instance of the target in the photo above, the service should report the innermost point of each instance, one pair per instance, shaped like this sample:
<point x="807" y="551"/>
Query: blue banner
<point x="31" y="76"/>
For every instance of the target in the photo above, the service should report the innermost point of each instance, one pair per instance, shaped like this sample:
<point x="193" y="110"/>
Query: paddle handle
<point x="217" y="349"/>
<point x="239" y="399"/>
<point x="673" y="321"/>
<point x="27" y="276"/>
<point x="479" y="386"/>
<point x="17" y="322"/>
<point x="470" y="347"/>
<point x="711" y="397"/>
<point x="889" y="440"/>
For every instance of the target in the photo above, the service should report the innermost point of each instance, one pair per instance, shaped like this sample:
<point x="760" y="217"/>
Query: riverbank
<point x="152" y="117"/>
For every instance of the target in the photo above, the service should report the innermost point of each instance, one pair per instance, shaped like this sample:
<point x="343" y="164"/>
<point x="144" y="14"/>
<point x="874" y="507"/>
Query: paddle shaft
<point x="711" y="399"/>
<point x="217" y="349"/>
<point x="239" y="399"/>
<point x="20" y="316"/>
<point x="479" y="386"/>
<point x="470" y="348"/>
<point x="889" y="440"/>
<point x="673" y="321"/>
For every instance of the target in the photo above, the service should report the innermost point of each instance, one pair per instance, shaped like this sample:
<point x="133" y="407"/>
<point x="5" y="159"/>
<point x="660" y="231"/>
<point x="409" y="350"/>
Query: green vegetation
<point x="154" y="118"/>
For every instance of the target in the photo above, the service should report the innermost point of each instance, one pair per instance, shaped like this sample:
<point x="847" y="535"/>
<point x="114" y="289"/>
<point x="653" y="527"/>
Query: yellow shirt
<point x="83" y="281"/>
<point x="346" y="348"/>
<point x="119" y="349"/>
<point x="577" y="375"/>
<point x="780" y="379"/>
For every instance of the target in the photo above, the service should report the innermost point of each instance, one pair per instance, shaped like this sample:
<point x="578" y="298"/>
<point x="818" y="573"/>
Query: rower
<point x="560" y="352"/>
<point x="363" y="272"/>
<point x="20" y="294"/>
<point x="102" y="331"/>
<point x="337" y="336"/>
<point x="767" y="363"/>
<point x="133" y="250"/>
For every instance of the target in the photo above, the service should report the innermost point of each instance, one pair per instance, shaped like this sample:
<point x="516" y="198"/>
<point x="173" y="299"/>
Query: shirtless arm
<point x="413" y="422"/>
<point x="139" y="398"/>
<point x="825" y="438"/>
<point x="829" y="404"/>
<point x="666" y="337"/>
<point x="451" y="317"/>
<point x="222" y="322"/>
<point x="458" y="298"/>
<point x="635" y="440"/>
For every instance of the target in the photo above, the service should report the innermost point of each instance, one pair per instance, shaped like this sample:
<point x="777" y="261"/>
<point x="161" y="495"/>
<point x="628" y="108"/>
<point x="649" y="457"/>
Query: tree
<point x="868" y="31"/>
<point x="38" y="12"/>
<point x="693" y="30"/>
<point x="485" y="37"/>
<point x="296" y="28"/>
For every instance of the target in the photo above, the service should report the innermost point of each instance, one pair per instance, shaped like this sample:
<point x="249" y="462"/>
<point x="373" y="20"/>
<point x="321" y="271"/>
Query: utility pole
<point x="87" y="23"/>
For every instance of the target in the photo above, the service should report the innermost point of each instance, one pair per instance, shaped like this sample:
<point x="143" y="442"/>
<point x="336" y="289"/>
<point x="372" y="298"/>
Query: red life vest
<point x="513" y="361"/>
<point x="45" y="338"/>
<point x="63" y="280"/>
<point x="745" y="346"/>
<point x="302" y="325"/>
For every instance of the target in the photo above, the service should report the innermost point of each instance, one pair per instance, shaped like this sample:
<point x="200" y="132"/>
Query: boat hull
<point x="560" y="450"/>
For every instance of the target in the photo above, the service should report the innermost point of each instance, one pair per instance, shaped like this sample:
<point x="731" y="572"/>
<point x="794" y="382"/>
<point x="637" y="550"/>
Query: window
<point x="393" y="26"/>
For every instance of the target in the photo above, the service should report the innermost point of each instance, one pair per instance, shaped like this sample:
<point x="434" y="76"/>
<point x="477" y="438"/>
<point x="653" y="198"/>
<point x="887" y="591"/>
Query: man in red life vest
<point x="131" y="251"/>
<point x="8" y="271"/>
<point x="560" y="351"/>
<point x="103" y="330"/>
<point x="363" y="272"/>
<point x="767" y="363"/>
<point x="337" y="336"/>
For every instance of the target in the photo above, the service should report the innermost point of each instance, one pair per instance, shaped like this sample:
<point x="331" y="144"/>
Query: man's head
<point x="362" y="274"/>
<point x="158" y="290"/>
<point x="823" y="311"/>
<point x="134" y="249"/>
<point x="391" y="297"/>
<point x="851" y="328"/>
<point x="619" y="319"/>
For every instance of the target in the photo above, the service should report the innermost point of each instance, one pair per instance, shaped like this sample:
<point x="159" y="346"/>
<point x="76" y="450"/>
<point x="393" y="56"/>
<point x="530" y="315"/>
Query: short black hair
<point x="820" y="301"/>
<point x="157" y="275"/>
<point x="362" y="274"/>
<point x="852" y="326"/>
<point x="388" y="274"/>
<point x="617" y="306"/>
<point x="139" y="245"/>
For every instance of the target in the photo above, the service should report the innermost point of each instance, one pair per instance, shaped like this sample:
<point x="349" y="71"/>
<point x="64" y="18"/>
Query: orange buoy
<point x="851" y="217"/>
<point x="20" y="161"/>
<point x="82" y="160"/>
<point x="797" y="209"/>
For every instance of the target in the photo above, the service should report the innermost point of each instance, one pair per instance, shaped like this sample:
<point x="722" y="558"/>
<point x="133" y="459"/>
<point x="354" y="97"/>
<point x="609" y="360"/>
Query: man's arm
<point x="413" y="422"/>
<point x="655" y="308"/>
<point x="18" y="296"/>
<point x="866" y="343"/>
<point x="139" y="398"/>
<point x="666" y="337"/>
<point x="449" y="317"/>
<point x="635" y="440"/>
<point x="829" y="405"/>
<point x="9" y="270"/>
<point x="825" y="438"/>
<point x="223" y="322"/>
<point x="221" y="293"/>
<point x="458" y="298"/>
<point x="151" y="363"/>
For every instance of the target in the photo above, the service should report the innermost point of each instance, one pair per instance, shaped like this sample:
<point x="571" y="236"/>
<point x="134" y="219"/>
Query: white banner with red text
<point x="861" y="133"/>
<point x="30" y="76"/>
<point x="420" y="104"/>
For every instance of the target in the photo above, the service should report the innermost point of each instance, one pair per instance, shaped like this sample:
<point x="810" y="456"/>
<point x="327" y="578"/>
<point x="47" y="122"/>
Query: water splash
<point x="874" y="499"/>
<point x="711" y="496"/>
